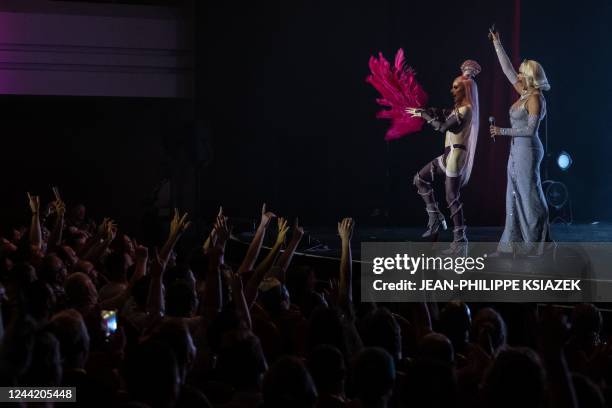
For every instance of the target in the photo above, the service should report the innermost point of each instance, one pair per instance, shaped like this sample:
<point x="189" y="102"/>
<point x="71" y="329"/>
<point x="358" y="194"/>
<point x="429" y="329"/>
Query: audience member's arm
<point x="240" y="303"/>
<point x="93" y="240"/>
<point x="141" y="257"/>
<point x="118" y="301"/>
<point x="155" y="299"/>
<point x="345" y="289"/>
<point x="106" y="234"/>
<point x="253" y="252"/>
<point x="213" y="297"/>
<point x="212" y="237"/>
<point x="287" y="255"/>
<point x="178" y="225"/>
<point x="222" y="232"/>
<point x="264" y="267"/>
<point x="35" y="230"/>
<point x="55" y="238"/>
<point x="213" y="291"/>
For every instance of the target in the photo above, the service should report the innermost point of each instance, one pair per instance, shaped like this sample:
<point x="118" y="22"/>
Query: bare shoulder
<point x="535" y="103"/>
<point x="465" y="109"/>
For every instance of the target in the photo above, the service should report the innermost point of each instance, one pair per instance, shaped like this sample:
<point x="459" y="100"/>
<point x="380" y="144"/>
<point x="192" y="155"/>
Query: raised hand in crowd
<point x="178" y="225"/>
<point x="240" y="304"/>
<point x="264" y="267"/>
<point x="212" y="237"/>
<point x="155" y="298"/>
<point x="58" y="208"/>
<point x="253" y="252"/>
<point x="345" y="287"/>
<point x="287" y="255"/>
<point x="35" y="228"/>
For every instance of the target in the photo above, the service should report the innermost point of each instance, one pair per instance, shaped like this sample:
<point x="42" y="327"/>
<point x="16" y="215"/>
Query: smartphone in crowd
<point x="109" y="317"/>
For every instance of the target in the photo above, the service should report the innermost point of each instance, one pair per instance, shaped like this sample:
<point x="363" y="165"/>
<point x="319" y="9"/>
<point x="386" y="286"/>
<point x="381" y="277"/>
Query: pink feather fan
<point x="399" y="90"/>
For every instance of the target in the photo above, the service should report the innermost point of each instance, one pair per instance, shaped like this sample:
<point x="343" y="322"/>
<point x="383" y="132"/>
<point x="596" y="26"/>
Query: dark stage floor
<point x="324" y="241"/>
<point x="587" y="263"/>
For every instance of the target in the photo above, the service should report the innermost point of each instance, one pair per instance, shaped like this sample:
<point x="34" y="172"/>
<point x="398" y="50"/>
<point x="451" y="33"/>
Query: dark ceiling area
<point x="165" y="3"/>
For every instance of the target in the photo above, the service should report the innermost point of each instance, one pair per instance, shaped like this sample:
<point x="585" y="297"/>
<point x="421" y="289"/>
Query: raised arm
<point x="534" y="108"/>
<point x="141" y="258"/>
<point x="59" y="208"/>
<point x="93" y="240"/>
<point x="119" y="300"/>
<point x="178" y="225"/>
<point x="213" y="299"/>
<point x="101" y="241"/>
<point x="264" y="267"/>
<point x="154" y="303"/>
<point x="240" y="303"/>
<point x="35" y="230"/>
<point x="155" y="299"/>
<point x="212" y="237"/>
<point x="213" y="295"/>
<point x="505" y="62"/>
<point x="253" y="252"/>
<point x="345" y="290"/>
<point x="287" y="255"/>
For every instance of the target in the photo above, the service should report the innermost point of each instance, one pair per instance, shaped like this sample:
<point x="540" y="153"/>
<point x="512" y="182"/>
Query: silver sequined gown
<point x="526" y="208"/>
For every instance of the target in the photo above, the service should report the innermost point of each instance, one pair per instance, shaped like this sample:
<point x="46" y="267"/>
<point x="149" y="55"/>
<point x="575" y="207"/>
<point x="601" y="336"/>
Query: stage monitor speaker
<point x="559" y="202"/>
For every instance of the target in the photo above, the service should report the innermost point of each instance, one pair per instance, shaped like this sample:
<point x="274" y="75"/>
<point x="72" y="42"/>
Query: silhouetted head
<point x="325" y="327"/>
<point x="488" y="324"/>
<point x="151" y="374"/>
<point x="80" y="292"/>
<point x="373" y="376"/>
<point x="455" y="322"/>
<point x="69" y="328"/>
<point x="241" y="361"/>
<point x="53" y="271"/>
<point x="40" y="300"/>
<point x="176" y="334"/>
<point x="516" y="379"/>
<point x="288" y="384"/>
<point x="436" y="347"/>
<point x="380" y="329"/>
<point x="326" y="365"/>
<point x="586" y="323"/>
<point x="181" y="299"/>
<point x="45" y="367"/>
<point x="273" y="296"/>
<point x="116" y="266"/>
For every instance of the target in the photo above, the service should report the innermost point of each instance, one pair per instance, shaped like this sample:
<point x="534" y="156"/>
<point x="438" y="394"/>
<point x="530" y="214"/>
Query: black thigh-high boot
<point x="423" y="181"/>
<point x="455" y="206"/>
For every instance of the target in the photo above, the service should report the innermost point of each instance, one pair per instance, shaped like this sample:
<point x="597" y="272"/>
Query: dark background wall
<point x="573" y="45"/>
<point x="280" y="93"/>
<point x="106" y="152"/>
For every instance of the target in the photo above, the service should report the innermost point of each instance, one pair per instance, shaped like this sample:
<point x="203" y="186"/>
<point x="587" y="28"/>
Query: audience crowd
<point x="209" y="328"/>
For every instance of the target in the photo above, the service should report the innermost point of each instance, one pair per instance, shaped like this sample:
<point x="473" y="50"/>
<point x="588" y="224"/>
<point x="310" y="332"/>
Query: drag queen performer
<point x="460" y="127"/>
<point x="526" y="209"/>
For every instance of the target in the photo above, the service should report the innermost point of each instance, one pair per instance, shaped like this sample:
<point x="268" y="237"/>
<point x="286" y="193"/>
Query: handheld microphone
<point x="492" y="123"/>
